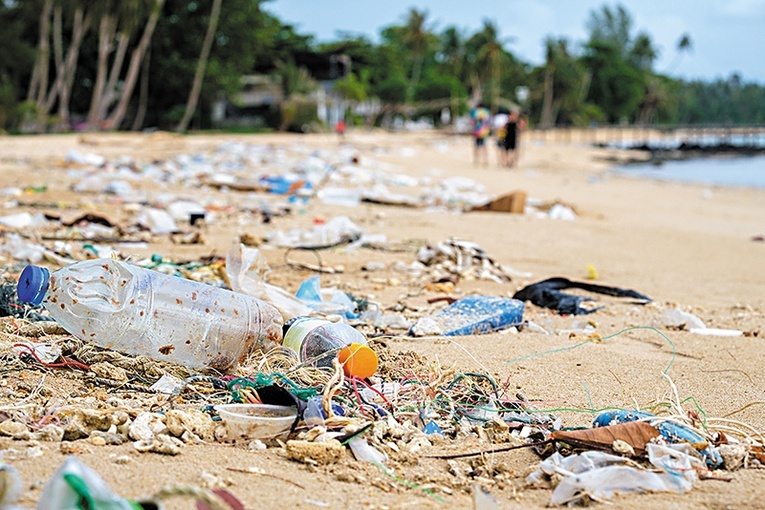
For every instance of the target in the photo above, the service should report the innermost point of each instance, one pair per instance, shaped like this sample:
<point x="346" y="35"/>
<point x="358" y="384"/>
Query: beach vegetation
<point x="171" y="64"/>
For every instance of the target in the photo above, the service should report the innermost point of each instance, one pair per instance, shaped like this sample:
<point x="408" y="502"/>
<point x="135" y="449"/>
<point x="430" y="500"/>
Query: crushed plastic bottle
<point x="119" y="306"/>
<point x="319" y="342"/>
<point x="471" y="315"/>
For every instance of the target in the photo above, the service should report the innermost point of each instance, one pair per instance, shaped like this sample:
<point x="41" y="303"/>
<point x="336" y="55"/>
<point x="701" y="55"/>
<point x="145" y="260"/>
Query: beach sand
<point x="681" y="244"/>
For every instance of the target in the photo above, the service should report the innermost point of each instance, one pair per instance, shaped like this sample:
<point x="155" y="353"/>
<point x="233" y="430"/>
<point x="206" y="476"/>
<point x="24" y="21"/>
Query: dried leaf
<point x="636" y="433"/>
<point x="759" y="453"/>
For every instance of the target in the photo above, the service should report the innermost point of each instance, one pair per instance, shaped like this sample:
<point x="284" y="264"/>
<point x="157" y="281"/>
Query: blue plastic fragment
<point x="310" y="289"/>
<point x="472" y="315"/>
<point x="432" y="428"/>
<point x="670" y="431"/>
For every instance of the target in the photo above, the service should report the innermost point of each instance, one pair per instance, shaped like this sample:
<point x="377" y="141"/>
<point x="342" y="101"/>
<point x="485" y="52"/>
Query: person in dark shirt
<point x="515" y="123"/>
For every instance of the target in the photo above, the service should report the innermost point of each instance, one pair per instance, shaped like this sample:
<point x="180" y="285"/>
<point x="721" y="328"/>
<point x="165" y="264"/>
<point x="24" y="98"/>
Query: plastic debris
<point x="472" y="315"/>
<point x="547" y="294"/>
<point x="463" y="259"/>
<point x="674" y="317"/>
<point x="246" y="269"/>
<point x="598" y="476"/>
<point x="336" y="232"/>
<point x="74" y="482"/>
<point x="209" y="337"/>
<point x="671" y="431"/>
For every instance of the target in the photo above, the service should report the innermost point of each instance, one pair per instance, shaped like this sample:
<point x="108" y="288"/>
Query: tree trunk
<point x="476" y="93"/>
<point x="547" y="120"/>
<point x="58" y="52"/>
<point x="495" y="79"/>
<point x="34" y="82"/>
<point x="111" y="86"/>
<point x="416" y="71"/>
<point x="80" y="28"/>
<point x="116" y="118"/>
<point x="196" y="88"/>
<point x="65" y="79"/>
<point x="44" y="63"/>
<point x="105" y="36"/>
<point x="143" y="94"/>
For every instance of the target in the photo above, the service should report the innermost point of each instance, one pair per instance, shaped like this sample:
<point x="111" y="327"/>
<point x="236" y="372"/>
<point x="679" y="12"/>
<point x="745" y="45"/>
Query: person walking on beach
<point x="515" y="123"/>
<point x="498" y="123"/>
<point x="481" y="118"/>
<point x="340" y="128"/>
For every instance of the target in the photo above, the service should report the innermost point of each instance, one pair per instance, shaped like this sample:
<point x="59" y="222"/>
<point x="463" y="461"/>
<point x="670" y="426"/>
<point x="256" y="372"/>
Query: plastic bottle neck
<point x="33" y="284"/>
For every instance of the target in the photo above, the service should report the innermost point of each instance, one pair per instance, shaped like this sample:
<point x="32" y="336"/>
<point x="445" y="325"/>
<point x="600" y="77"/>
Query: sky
<point x="728" y="35"/>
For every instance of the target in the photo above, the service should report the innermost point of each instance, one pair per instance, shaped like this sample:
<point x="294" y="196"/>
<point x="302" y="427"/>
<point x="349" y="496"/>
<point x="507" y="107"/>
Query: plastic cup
<point x="256" y="421"/>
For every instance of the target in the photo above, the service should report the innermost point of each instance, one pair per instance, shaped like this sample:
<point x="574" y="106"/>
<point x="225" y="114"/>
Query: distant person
<point x="340" y="128"/>
<point x="498" y="123"/>
<point x="515" y="123"/>
<point x="481" y="118"/>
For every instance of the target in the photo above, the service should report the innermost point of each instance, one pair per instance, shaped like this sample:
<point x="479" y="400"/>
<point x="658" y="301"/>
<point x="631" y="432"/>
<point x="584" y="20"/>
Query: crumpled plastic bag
<point x="599" y="476"/>
<point x="337" y="231"/>
<point x="246" y="269"/>
<point x="65" y="489"/>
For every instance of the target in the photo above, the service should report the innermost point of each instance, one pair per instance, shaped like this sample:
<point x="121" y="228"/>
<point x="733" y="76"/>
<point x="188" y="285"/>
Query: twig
<point x="256" y="471"/>
<point x="729" y="370"/>
<point x="493" y="450"/>
<point x="750" y="404"/>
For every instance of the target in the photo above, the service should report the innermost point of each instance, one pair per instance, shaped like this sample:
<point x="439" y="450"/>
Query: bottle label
<point x="299" y="330"/>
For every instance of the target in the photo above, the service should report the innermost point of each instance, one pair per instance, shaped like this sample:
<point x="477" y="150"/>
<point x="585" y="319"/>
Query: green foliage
<point x="298" y="114"/>
<point x="609" y="80"/>
<point x="351" y="88"/>
<point x="294" y="79"/>
<point x="728" y="101"/>
<point x="438" y="86"/>
<point x="392" y="90"/>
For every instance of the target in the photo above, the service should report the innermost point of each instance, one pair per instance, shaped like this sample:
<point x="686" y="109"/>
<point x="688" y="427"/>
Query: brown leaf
<point x="635" y="433"/>
<point x="759" y="453"/>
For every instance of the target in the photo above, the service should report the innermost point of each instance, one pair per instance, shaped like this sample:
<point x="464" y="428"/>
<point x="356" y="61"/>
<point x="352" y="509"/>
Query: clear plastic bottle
<point x="123" y="307"/>
<point x="320" y="341"/>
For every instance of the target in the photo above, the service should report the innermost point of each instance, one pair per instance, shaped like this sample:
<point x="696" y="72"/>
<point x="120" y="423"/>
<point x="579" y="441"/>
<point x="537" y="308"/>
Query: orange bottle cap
<point x="358" y="360"/>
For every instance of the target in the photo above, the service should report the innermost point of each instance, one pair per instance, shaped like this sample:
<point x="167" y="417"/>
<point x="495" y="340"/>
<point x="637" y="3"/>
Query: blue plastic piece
<point x="478" y="315"/>
<point x="432" y="428"/>
<point x="310" y="290"/>
<point x="33" y="284"/>
<point x="670" y="431"/>
<point x="315" y="409"/>
<point x="280" y="185"/>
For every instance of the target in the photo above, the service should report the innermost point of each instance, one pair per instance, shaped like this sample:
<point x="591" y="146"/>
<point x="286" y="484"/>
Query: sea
<point x="719" y="170"/>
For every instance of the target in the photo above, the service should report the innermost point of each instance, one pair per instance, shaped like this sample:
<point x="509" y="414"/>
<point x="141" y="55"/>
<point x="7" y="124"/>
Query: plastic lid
<point x="358" y="360"/>
<point x="33" y="284"/>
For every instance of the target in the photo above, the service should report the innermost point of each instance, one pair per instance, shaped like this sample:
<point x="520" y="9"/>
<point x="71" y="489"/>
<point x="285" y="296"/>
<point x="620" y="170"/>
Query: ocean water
<point x="747" y="172"/>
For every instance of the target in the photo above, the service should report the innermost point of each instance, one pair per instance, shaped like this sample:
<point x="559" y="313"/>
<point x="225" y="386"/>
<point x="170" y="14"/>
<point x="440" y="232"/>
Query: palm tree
<point x="196" y="87"/>
<point x="547" y="119"/>
<point x="684" y="45"/>
<point x="43" y="63"/>
<point x="642" y="53"/>
<point x="453" y="51"/>
<point x="489" y="51"/>
<point x="65" y="66"/>
<point x="564" y="82"/>
<point x="415" y="38"/>
<point x="136" y="58"/>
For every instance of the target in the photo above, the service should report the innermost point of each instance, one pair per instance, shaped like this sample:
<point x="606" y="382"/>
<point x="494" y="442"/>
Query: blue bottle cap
<point x="33" y="284"/>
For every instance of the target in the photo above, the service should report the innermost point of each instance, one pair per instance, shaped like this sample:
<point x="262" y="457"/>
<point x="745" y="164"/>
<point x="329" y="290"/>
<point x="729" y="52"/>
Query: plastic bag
<point x="246" y="269"/>
<point x="73" y="482"/>
<point x="600" y="475"/>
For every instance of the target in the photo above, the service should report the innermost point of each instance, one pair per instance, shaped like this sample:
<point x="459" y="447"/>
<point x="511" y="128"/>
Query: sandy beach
<point x="684" y="245"/>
